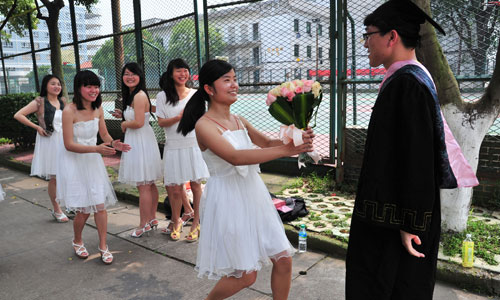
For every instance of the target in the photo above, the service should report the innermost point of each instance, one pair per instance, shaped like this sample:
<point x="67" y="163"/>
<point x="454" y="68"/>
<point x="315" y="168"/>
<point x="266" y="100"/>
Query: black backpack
<point x="298" y="206"/>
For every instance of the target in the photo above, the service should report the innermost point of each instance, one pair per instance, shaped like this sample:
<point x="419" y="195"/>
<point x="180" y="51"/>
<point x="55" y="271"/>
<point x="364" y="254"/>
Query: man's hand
<point x="406" y="239"/>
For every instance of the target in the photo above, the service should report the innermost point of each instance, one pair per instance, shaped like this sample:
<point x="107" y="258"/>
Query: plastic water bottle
<point x="468" y="252"/>
<point x="302" y="239"/>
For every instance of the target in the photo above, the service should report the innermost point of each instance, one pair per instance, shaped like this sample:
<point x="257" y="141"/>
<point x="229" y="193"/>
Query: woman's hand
<point x="179" y="116"/>
<point x="308" y="135"/>
<point x="41" y="131"/>
<point x="121" y="146"/>
<point x="105" y="149"/>
<point x="118" y="113"/>
<point x="124" y="126"/>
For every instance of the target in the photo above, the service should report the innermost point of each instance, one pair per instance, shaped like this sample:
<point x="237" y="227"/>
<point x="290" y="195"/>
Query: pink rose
<point x="308" y="85"/>
<point x="270" y="99"/>
<point x="290" y="96"/>
<point x="299" y="90"/>
<point x="284" y="91"/>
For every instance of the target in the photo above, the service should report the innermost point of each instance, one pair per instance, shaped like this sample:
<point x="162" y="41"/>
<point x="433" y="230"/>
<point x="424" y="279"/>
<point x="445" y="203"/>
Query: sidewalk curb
<point x="474" y="279"/>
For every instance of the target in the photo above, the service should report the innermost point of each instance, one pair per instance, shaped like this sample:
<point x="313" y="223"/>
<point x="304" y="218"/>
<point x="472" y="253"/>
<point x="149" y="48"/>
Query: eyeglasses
<point x="366" y="35"/>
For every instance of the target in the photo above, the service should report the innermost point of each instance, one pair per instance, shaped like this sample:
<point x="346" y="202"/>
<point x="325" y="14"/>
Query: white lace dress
<point x="45" y="158"/>
<point x="82" y="183"/>
<point x="240" y="228"/>
<point x="182" y="159"/>
<point x="142" y="164"/>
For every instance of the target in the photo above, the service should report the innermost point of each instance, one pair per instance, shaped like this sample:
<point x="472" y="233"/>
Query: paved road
<point x="37" y="261"/>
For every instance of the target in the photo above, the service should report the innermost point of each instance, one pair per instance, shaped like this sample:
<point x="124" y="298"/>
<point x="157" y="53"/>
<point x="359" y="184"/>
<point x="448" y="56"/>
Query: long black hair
<point x="85" y="78"/>
<point x="45" y="82"/>
<point x="167" y="83"/>
<point x="128" y="96"/>
<point x="195" y="108"/>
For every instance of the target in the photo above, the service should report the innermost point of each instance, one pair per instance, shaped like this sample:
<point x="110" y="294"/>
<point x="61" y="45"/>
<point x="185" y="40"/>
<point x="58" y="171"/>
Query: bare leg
<point x="175" y="196"/>
<point x="101" y="221"/>
<point x="144" y="204"/>
<point x="78" y="224"/>
<point x="154" y="202"/>
<point x="52" y="195"/>
<point x="281" y="278"/>
<point x="187" y="206"/>
<point x="196" y="189"/>
<point x="228" y="286"/>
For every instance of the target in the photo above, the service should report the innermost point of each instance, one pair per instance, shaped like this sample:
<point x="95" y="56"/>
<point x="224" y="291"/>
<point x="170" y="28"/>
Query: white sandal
<point x="60" y="217"/>
<point x="106" y="256"/>
<point x="81" y="252"/>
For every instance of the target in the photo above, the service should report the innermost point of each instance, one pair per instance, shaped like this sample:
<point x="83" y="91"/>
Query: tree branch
<point x="9" y="14"/>
<point x="39" y="12"/>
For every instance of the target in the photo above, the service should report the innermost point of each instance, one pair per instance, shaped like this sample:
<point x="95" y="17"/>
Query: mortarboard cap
<point x="404" y="16"/>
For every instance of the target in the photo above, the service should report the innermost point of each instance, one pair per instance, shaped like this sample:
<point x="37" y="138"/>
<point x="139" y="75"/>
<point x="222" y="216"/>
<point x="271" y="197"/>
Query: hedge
<point x="22" y="136"/>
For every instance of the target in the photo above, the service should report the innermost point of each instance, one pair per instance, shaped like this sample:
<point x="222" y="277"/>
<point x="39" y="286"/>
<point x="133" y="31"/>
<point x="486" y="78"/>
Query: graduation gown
<point x="404" y="165"/>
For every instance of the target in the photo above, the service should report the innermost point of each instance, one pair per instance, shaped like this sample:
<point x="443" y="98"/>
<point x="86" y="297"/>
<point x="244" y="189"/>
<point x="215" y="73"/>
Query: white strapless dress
<point x="45" y="158"/>
<point x="83" y="184"/>
<point x="240" y="227"/>
<point x="142" y="164"/>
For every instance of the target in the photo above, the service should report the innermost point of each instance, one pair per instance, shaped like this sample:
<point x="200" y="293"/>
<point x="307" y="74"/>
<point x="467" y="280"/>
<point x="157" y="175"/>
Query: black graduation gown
<point x="398" y="189"/>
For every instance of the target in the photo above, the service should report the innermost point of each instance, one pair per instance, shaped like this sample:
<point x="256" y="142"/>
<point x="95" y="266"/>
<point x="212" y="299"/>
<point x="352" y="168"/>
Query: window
<point x="231" y="35"/>
<point x="309" y="51"/>
<point x="243" y="33"/>
<point x="46" y="34"/>
<point x="256" y="60"/>
<point x="37" y="46"/>
<point x="296" y="50"/>
<point x="255" y="31"/>
<point x="8" y="44"/>
<point x="256" y="76"/>
<point x="308" y="28"/>
<point x="35" y="34"/>
<point x="27" y="57"/>
<point x="25" y="45"/>
<point x="320" y="30"/>
<point x="296" y="25"/>
<point x="320" y="52"/>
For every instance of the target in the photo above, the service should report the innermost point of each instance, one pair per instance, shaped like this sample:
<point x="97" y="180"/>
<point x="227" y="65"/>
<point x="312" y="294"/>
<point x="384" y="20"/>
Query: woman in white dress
<point x="141" y="166"/>
<point x="241" y="229"/>
<point x="48" y="108"/>
<point x="182" y="157"/>
<point x="84" y="184"/>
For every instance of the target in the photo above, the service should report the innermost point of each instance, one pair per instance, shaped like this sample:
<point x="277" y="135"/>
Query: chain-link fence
<point x="267" y="41"/>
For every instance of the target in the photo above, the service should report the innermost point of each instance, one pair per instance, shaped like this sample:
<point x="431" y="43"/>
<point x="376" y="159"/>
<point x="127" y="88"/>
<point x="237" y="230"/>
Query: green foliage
<point x="4" y="141"/>
<point x="19" y="20"/>
<point x="104" y="59"/>
<point x="182" y="42"/>
<point x="320" y="184"/>
<point x="22" y="136"/>
<point x="486" y="239"/>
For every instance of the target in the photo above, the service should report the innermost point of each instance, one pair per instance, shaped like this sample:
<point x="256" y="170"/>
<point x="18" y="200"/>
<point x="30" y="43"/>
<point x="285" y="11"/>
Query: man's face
<point x="377" y="45"/>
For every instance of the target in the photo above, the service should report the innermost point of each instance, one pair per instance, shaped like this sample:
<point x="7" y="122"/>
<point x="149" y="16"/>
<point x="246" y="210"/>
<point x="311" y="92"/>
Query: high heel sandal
<point x="146" y="229"/>
<point x="176" y="232"/>
<point x="81" y="252"/>
<point x="154" y="224"/>
<point x="60" y="217"/>
<point x="106" y="256"/>
<point x="167" y="230"/>
<point x="189" y="215"/>
<point x="193" y="235"/>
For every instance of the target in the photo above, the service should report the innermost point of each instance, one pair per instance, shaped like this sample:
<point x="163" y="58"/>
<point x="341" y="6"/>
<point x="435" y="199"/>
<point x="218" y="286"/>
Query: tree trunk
<point x="55" y="41"/>
<point x="469" y="122"/>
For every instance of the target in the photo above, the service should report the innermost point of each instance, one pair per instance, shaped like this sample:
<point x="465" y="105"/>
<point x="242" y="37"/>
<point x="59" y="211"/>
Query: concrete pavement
<point x="37" y="260"/>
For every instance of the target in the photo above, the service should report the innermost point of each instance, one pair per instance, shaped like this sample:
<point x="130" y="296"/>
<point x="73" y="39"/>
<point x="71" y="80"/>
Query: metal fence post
<point x="138" y="34"/>
<point x="333" y="78"/>
<point x="205" y="30"/>
<point x="339" y="171"/>
<point x="197" y="31"/>
<point x="75" y="34"/>
<point x="117" y="48"/>
<point x="33" y="56"/>
<point x="3" y="67"/>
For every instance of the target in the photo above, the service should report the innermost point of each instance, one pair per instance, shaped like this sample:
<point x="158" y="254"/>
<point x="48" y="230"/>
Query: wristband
<point x="111" y="144"/>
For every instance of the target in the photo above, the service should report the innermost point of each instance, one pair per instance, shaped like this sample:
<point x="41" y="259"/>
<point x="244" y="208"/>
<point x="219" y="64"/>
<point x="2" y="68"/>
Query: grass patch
<point x="4" y="141"/>
<point x="486" y="239"/>
<point x="332" y="217"/>
<point x="326" y="211"/>
<point x="295" y="183"/>
<point x="319" y="224"/>
<point x="319" y="184"/>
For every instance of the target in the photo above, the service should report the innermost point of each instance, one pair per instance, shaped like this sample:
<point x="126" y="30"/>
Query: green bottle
<point x="468" y="252"/>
